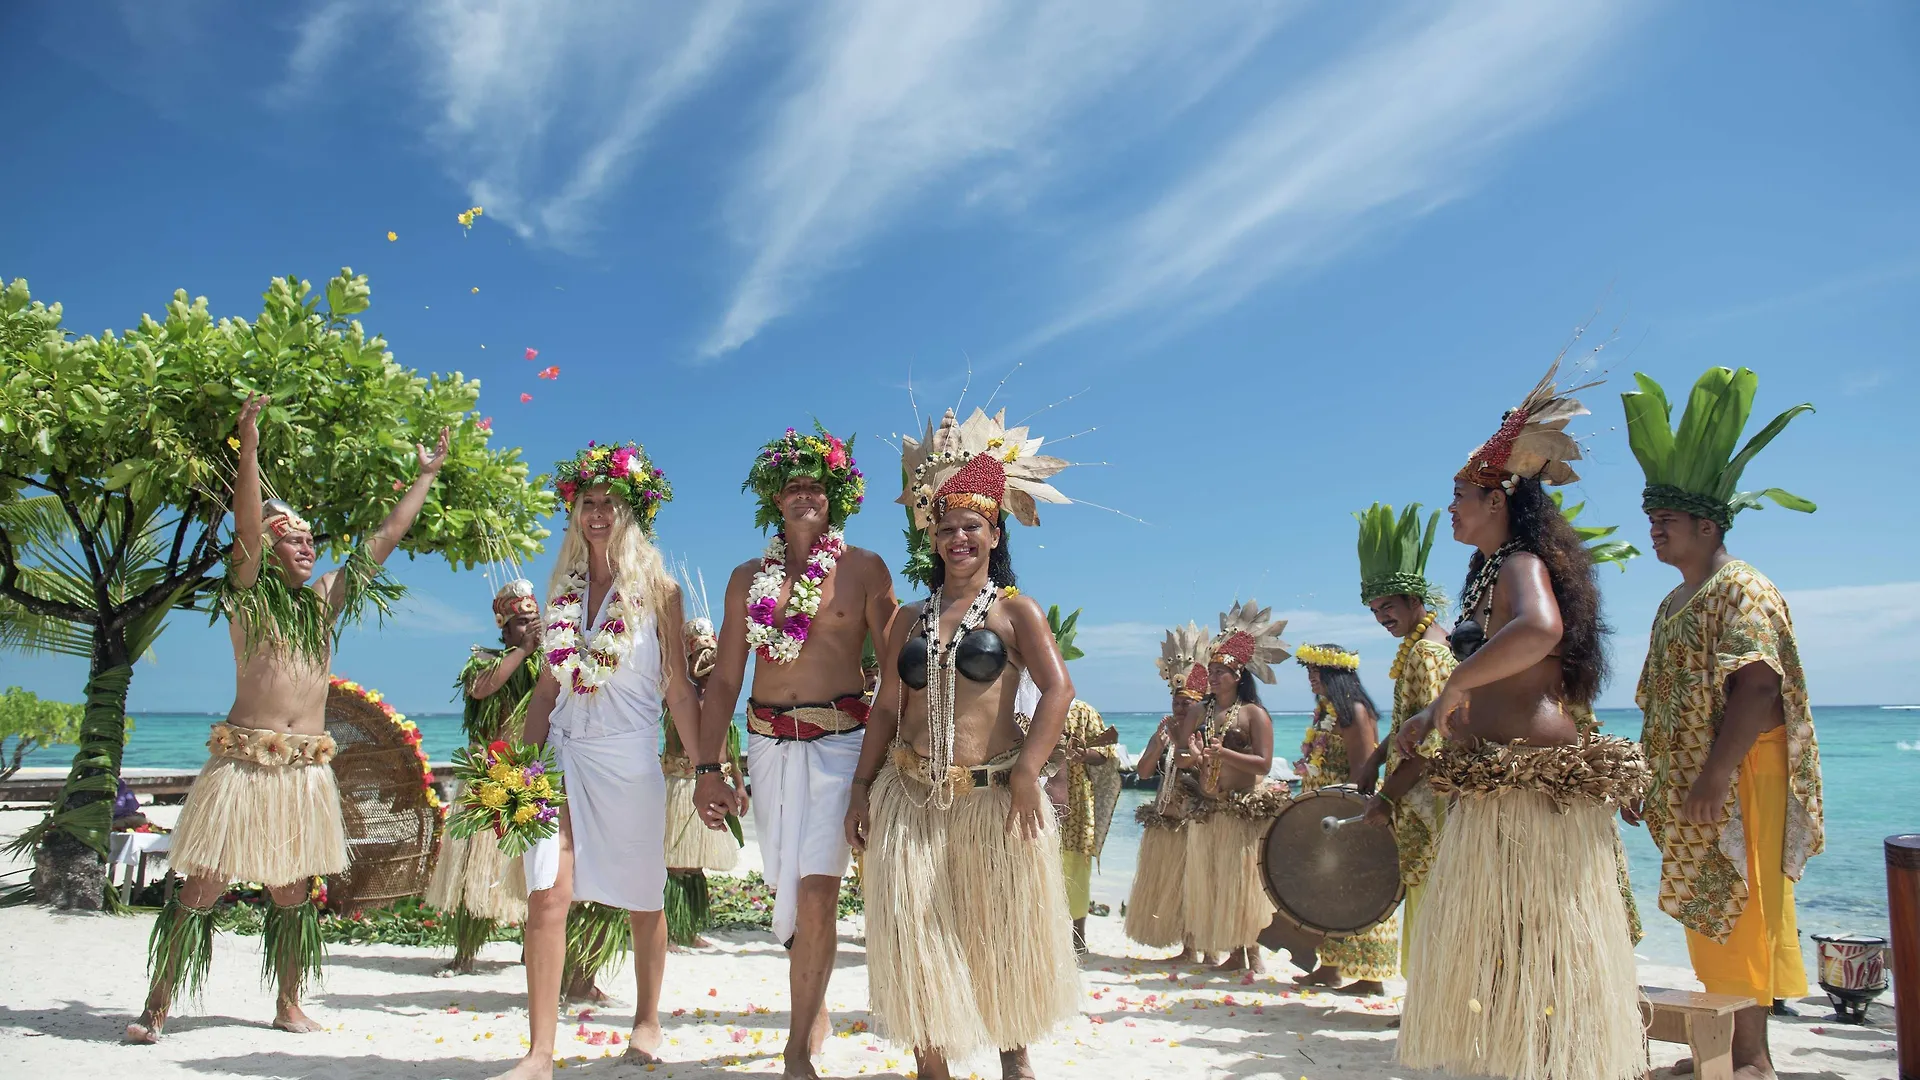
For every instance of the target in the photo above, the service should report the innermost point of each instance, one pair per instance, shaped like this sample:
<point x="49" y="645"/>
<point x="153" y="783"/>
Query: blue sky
<point x="1290" y="257"/>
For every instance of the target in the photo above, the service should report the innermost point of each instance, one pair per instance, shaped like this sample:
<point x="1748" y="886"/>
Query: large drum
<point x="1329" y="874"/>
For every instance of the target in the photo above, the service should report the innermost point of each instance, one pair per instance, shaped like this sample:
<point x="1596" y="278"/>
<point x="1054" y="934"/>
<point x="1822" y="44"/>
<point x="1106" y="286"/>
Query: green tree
<point x="32" y="724"/>
<point x="1616" y="552"/>
<point x="115" y="465"/>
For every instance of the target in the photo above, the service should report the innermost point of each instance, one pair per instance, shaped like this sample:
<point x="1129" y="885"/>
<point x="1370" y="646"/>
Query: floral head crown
<point x="821" y="456"/>
<point x="1532" y="441"/>
<point x="1328" y="656"/>
<point x="625" y="469"/>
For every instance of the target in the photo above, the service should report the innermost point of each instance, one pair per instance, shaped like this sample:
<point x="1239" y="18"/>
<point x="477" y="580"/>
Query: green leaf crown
<point x="1695" y="469"/>
<point x="1393" y="554"/>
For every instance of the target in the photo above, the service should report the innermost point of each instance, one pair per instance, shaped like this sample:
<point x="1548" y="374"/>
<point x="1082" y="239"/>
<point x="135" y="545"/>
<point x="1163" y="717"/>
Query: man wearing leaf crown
<point x="804" y="608"/>
<point x="1735" y="805"/>
<point x="265" y="807"/>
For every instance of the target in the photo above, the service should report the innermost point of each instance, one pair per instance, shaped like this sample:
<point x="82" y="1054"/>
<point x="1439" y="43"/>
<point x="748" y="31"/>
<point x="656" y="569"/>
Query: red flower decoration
<point x="498" y="746"/>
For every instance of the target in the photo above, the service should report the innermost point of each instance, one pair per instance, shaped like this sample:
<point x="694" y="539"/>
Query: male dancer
<point x="805" y="608"/>
<point x="1728" y="728"/>
<point x="265" y="807"/>
<point x="1395" y="587"/>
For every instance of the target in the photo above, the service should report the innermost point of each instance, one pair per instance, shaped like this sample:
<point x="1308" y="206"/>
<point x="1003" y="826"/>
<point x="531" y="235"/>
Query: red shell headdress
<point x="982" y="465"/>
<point x="1532" y="442"/>
<point x="1249" y="639"/>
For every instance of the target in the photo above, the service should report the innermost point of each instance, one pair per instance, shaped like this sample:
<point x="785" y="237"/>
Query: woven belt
<point x="963" y="778"/>
<point x="805" y="723"/>
<point x="275" y="749"/>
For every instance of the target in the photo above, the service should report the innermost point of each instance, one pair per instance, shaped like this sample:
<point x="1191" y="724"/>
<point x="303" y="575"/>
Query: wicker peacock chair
<point x="393" y="817"/>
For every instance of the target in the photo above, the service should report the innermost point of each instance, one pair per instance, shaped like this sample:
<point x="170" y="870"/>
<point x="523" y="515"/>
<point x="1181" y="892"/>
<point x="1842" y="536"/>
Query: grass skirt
<point x="968" y="941"/>
<point x="1154" y="905"/>
<point x="472" y="876"/>
<point x="274" y="824"/>
<point x="1522" y="917"/>
<point x="1225" y="901"/>
<point x="690" y="844"/>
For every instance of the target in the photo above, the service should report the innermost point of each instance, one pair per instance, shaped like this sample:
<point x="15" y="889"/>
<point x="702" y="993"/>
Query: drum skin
<point x="1331" y="883"/>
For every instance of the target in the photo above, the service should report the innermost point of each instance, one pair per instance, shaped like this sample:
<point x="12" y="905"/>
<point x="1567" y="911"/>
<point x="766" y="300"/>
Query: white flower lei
<point x="579" y="667"/>
<point x="773" y="638"/>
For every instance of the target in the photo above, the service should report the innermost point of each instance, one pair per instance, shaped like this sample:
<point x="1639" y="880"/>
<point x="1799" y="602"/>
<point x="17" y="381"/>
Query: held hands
<point x="856" y="820"/>
<point x="430" y="463"/>
<point x="1633" y="813"/>
<point x="714" y="799"/>
<point x="1029" y="803"/>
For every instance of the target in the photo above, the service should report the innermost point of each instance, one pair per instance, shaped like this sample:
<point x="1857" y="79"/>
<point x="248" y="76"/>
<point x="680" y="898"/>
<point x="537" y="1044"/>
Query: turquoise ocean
<point x="1870" y="756"/>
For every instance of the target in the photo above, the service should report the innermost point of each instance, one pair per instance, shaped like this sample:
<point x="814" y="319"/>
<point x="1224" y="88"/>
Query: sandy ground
<point x="70" y="983"/>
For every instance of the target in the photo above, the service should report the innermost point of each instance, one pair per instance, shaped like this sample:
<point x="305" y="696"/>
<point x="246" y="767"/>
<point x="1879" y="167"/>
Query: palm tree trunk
<point x="70" y="871"/>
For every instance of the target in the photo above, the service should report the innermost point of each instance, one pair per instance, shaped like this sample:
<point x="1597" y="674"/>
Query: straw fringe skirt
<point x="1522" y="917"/>
<point x="1155" y="913"/>
<point x="690" y="844"/>
<point x="968" y="941"/>
<point x="274" y="824"/>
<point x="473" y="876"/>
<point x="1225" y="903"/>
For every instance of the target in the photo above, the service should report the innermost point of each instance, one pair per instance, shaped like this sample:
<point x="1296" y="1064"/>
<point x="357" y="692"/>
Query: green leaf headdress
<point x="1616" y="552"/>
<point x="1695" y="469"/>
<point x="1393" y="554"/>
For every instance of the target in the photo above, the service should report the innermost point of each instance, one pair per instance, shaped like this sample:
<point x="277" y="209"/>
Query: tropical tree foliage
<point x="1602" y="549"/>
<point x="27" y="724"/>
<point x="116" y="456"/>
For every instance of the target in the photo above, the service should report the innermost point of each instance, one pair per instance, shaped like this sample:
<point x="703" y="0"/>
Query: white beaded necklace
<point x="941" y="685"/>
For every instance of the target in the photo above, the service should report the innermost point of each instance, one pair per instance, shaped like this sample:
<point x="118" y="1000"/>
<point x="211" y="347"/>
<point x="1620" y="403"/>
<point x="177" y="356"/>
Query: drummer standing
<point x="1395" y="587"/>
<point x="1728" y="726"/>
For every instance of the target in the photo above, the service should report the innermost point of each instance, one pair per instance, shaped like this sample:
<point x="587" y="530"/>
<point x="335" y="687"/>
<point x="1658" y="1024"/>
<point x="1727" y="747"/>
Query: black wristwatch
<point x="703" y="770"/>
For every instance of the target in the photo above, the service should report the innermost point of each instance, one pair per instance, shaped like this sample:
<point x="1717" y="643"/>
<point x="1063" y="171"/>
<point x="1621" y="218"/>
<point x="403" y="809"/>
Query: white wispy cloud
<point x="1386" y="131"/>
<point x="540" y="108"/>
<point x="420" y="615"/>
<point x="893" y="98"/>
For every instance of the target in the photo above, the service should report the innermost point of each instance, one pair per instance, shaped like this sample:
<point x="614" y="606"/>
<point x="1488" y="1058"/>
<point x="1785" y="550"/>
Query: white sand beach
<point x="70" y="983"/>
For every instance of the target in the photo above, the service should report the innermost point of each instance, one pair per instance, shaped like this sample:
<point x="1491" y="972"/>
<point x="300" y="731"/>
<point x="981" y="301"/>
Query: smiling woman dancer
<point x="968" y="941"/>
<point x="610" y="668"/>
<point x="1521" y="964"/>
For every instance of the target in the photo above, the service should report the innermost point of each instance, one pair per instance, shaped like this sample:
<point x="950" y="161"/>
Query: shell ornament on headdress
<point x="1183" y="648"/>
<point x="1532" y="443"/>
<point x="515" y="598"/>
<point x="278" y="519"/>
<point x="981" y="465"/>
<point x="1249" y="640"/>
<point x="1328" y="656"/>
<point x="1694" y="470"/>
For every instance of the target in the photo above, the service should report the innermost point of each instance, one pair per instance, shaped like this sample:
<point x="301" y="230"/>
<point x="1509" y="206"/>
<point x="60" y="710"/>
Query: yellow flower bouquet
<point x="511" y="789"/>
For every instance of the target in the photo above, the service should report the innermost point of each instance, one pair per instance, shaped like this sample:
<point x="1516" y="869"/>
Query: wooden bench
<point x="1703" y="1021"/>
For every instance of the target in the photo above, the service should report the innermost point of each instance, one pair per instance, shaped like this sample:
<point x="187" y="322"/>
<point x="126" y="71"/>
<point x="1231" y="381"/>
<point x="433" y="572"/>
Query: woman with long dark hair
<point x="1523" y="918"/>
<point x="1340" y="742"/>
<point x="968" y="941"/>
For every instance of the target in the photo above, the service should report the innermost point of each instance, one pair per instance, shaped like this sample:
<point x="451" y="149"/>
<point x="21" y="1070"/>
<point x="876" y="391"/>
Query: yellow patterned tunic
<point x="1082" y="832"/>
<point x="1736" y="619"/>
<point x="1418" y="815"/>
<point x="1374" y="955"/>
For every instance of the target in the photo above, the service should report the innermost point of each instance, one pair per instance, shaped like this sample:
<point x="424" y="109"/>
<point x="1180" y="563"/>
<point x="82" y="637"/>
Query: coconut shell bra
<point x="981" y="656"/>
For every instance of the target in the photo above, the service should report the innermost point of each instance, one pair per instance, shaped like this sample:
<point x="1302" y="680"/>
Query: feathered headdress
<point x="981" y="464"/>
<point x="1249" y="639"/>
<point x="1184" y="647"/>
<point x="1532" y="442"/>
<point x="1599" y="548"/>
<point x="1194" y="686"/>
<point x="1695" y="469"/>
<point x="1393" y="554"/>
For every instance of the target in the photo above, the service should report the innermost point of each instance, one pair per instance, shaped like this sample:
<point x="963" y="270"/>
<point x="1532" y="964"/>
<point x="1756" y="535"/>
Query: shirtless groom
<point x="805" y="608"/>
<point x="265" y="807"/>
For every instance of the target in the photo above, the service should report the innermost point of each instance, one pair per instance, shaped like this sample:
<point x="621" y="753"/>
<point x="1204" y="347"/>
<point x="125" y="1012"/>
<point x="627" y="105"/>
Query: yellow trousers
<point x="1078" y="871"/>
<point x="1761" y="958"/>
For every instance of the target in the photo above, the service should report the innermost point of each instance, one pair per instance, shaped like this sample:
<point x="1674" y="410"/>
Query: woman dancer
<point x="598" y="705"/>
<point x="1523" y="923"/>
<point x="1340" y="743"/>
<point x="1155" y="912"/>
<point x="477" y="887"/>
<point x="968" y="941"/>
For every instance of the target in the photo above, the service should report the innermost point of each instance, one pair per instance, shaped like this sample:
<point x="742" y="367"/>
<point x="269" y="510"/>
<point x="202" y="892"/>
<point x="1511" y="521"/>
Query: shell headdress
<point x="981" y="464"/>
<point x="1184" y="647"/>
<point x="1249" y="639"/>
<point x="1532" y="442"/>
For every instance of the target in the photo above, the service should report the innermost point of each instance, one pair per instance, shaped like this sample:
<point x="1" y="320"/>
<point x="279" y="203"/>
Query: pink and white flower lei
<point x="579" y="667"/>
<point x="781" y="644"/>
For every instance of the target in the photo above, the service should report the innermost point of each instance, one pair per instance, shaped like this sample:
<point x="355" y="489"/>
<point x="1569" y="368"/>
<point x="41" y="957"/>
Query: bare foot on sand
<point x="930" y="1067"/>
<point x="1320" y="976"/>
<point x="288" y="1017"/>
<point x="145" y="1030"/>
<point x="636" y="1056"/>
<point x="1015" y="1066"/>
<point x="644" y="1039"/>
<point x="1242" y="960"/>
<point x="797" y="1066"/>
<point x="1363" y="988"/>
<point x="537" y="1065"/>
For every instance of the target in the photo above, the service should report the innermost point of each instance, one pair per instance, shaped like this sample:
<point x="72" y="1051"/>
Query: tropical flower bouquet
<point x="510" y="788"/>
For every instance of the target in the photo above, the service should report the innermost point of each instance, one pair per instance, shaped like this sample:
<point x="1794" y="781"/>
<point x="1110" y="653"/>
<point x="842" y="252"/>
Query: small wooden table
<point x="1703" y="1021"/>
